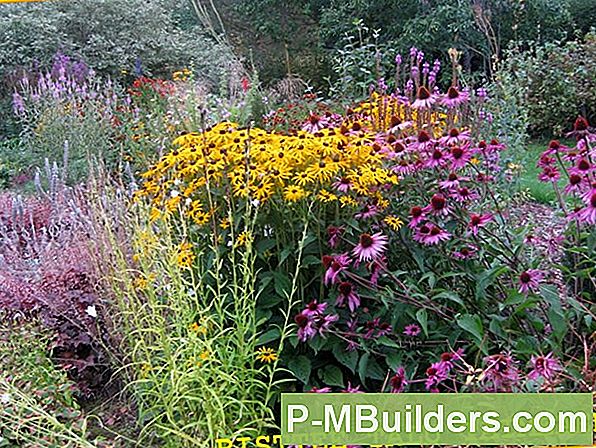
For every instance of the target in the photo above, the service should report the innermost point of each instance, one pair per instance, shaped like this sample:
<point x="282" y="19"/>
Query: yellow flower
<point x="154" y="215"/>
<point x="185" y="257"/>
<point x="243" y="239"/>
<point x="225" y="223"/>
<point x="205" y="355"/>
<point x="347" y="201"/>
<point x="266" y="355"/>
<point x="294" y="193"/>
<point x="325" y="196"/>
<point x="394" y="222"/>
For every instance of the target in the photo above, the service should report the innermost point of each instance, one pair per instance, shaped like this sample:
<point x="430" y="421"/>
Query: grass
<point x="541" y="192"/>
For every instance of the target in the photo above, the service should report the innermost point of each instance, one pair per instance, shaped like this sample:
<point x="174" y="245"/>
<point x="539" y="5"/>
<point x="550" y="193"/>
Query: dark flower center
<point x="431" y="371"/>
<point x="525" y="278"/>
<point x="446" y="357"/>
<point x="475" y="220"/>
<point x="554" y="144"/>
<point x="583" y="165"/>
<point x="465" y="251"/>
<point x="593" y="200"/>
<point x="312" y="306"/>
<point x="345" y="288"/>
<point x="314" y="119"/>
<point x="581" y="124"/>
<point x="366" y="240"/>
<point x="356" y="127"/>
<point x="453" y="133"/>
<point x="438" y="202"/>
<point x="416" y="212"/>
<point x="395" y="121"/>
<point x="423" y="137"/>
<point x="435" y="231"/>
<point x="457" y="152"/>
<point x="424" y="229"/>
<point x="437" y="154"/>
<point x="327" y="260"/>
<point x="464" y="191"/>
<point x="423" y="93"/>
<point x="452" y="93"/>
<point x="575" y="179"/>
<point x="494" y="142"/>
<point x="335" y="266"/>
<point x="482" y="145"/>
<point x="301" y="320"/>
<point x="452" y="177"/>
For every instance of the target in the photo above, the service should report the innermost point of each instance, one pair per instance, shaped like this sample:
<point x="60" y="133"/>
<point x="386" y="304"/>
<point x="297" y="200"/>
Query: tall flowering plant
<point x="413" y="255"/>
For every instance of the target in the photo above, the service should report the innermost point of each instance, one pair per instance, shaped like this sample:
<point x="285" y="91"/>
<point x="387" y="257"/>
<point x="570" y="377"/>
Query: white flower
<point x="5" y="398"/>
<point x="174" y="193"/>
<point x="91" y="311"/>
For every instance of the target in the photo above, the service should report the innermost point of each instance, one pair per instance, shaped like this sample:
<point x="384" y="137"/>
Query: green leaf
<point x="450" y="295"/>
<point x="473" y="325"/>
<point x="332" y="376"/>
<point x="486" y="278"/>
<point x="422" y="318"/>
<point x="345" y="357"/>
<point x="394" y="360"/>
<point x="300" y="366"/>
<point x="368" y="367"/>
<point x="282" y="284"/>
<point x="268" y="336"/>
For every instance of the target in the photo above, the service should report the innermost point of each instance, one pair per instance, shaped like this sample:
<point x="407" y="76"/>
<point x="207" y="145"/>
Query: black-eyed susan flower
<point x="266" y="355"/>
<point x="294" y="193"/>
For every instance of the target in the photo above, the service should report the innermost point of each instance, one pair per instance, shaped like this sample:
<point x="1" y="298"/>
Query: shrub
<point x="555" y="81"/>
<point x="152" y="39"/>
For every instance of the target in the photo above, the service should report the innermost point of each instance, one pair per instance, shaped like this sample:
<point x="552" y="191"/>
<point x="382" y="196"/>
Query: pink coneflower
<point x="478" y="221"/>
<point x="465" y="253"/>
<point x="430" y="234"/>
<point x="588" y="213"/>
<point x="436" y="159"/>
<point x="314" y="123"/>
<point x="464" y="194"/>
<point x="314" y="308"/>
<point x="423" y="142"/>
<point x="347" y="293"/>
<point x="452" y="181"/>
<point x="335" y="266"/>
<point x="352" y="390"/>
<point x="424" y="99"/>
<point x="404" y="167"/>
<point x="370" y="247"/>
<point x="545" y="160"/>
<point x="417" y="216"/>
<point x="398" y="381"/>
<point x="549" y="174"/>
<point x="554" y="147"/>
<point x="306" y="326"/>
<point x="546" y="367"/>
<point x="459" y="156"/>
<point x="435" y="375"/>
<point x="454" y="97"/>
<point x="529" y="281"/>
<point x="384" y="329"/>
<point x="334" y="234"/>
<point x="576" y="184"/>
<point x="438" y="205"/>
<point x="455" y="136"/>
<point x="412" y="330"/>
<point x="582" y="167"/>
<point x="343" y="184"/>
<point x="368" y="211"/>
<point x="324" y="322"/>
<point x="501" y="372"/>
<point x="322" y="390"/>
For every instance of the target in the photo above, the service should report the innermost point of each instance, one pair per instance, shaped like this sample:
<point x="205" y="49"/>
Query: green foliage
<point x="110" y="35"/>
<point x="37" y="403"/>
<point x="555" y="82"/>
